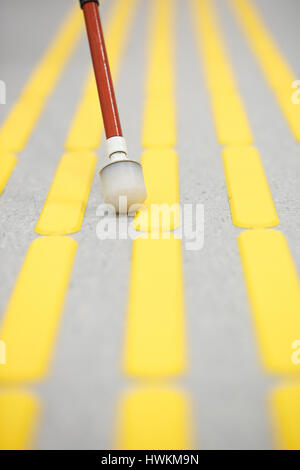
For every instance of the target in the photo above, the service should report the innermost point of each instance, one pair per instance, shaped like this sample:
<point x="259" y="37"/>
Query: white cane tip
<point x="123" y="179"/>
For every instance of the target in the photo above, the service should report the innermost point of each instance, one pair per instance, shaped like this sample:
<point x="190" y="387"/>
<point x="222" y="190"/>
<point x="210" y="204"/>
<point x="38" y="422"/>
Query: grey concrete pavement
<point x="228" y="387"/>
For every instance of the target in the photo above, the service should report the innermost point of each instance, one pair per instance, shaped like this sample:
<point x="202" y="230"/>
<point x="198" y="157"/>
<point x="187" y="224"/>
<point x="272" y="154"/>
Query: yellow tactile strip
<point x="271" y="277"/>
<point x="160" y="168"/>
<point x="270" y="274"/>
<point x="274" y="292"/>
<point x="231" y="122"/>
<point x="159" y="161"/>
<point x="285" y="411"/>
<point x="30" y="322"/>
<point x="18" y="419"/>
<point x="20" y="122"/>
<point x="155" y="345"/>
<point x="248" y="191"/>
<point x="249" y="196"/>
<point x="154" y="417"/>
<point x="86" y="128"/>
<point x="159" y="128"/>
<point x="65" y="205"/>
<point x="32" y="316"/>
<point x="66" y="201"/>
<point x="274" y="66"/>
<point x="7" y="163"/>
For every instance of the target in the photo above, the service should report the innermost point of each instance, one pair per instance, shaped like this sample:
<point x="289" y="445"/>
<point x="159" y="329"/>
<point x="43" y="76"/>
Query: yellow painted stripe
<point x="18" y="418"/>
<point x="32" y="316"/>
<point x="159" y="128"/>
<point x="155" y="339"/>
<point x="7" y="163"/>
<point x="154" y="418"/>
<point x="65" y="205"/>
<point x="20" y="123"/>
<point x="161" y="211"/>
<point x="274" y="66"/>
<point x="231" y="122"/>
<point x="285" y="405"/>
<point x="248" y="191"/>
<point x="274" y="292"/>
<point x="87" y="128"/>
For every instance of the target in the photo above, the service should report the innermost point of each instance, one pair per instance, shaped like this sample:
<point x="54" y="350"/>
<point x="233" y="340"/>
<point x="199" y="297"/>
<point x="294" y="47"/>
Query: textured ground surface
<point x="228" y="388"/>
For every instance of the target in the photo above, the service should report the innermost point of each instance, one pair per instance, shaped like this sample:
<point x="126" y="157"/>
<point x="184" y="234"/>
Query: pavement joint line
<point x="274" y="66"/>
<point x="155" y="346"/>
<point x="65" y="205"/>
<point x="22" y="119"/>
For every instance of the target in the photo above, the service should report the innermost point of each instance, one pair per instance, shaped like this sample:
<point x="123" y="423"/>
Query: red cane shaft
<point x="104" y="82"/>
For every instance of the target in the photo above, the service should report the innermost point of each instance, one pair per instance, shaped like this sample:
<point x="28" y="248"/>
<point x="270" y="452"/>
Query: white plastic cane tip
<point x="123" y="178"/>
